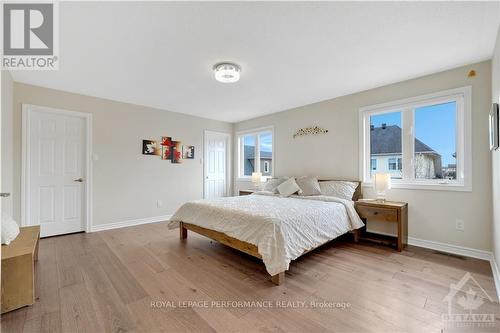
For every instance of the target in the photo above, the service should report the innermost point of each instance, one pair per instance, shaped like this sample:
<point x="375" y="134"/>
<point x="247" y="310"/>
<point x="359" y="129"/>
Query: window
<point x="249" y="152"/>
<point x="386" y="141"/>
<point x="422" y="142"/>
<point x="395" y="164"/>
<point x="255" y="152"/>
<point x="435" y="142"/>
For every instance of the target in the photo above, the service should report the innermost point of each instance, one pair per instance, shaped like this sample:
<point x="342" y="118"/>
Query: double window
<point x="422" y="142"/>
<point x="255" y="152"/>
<point x="396" y="163"/>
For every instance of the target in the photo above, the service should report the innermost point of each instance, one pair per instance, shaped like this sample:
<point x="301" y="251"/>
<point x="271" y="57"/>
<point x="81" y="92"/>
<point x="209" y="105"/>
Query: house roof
<point x="250" y="153"/>
<point x="388" y="141"/>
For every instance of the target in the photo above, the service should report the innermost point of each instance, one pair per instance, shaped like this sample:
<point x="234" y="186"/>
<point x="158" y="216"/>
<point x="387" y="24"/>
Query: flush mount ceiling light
<point x="227" y="72"/>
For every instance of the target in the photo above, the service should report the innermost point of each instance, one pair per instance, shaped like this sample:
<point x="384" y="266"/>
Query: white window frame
<point x="462" y="96"/>
<point x="239" y="143"/>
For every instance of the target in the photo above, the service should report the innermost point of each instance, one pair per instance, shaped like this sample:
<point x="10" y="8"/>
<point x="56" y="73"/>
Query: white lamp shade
<point x="382" y="182"/>
<point x="256" y="177"/>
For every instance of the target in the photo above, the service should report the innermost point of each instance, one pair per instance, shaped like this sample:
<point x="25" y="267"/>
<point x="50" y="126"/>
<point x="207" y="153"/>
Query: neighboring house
<point x="386" y="156"/>
<point x="450" y="171"/>
<point x="266" y="161"/>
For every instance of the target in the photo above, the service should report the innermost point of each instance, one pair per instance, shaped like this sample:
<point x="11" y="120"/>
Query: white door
<point x="216" y="147"/>
<point x="56" y="159"/>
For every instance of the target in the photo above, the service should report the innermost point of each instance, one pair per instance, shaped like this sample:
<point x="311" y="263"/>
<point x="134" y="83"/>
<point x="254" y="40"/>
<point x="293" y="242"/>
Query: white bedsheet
<point x="281" y="228"/>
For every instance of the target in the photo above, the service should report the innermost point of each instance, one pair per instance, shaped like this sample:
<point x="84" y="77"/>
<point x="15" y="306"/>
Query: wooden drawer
<point x="377" y="213"/>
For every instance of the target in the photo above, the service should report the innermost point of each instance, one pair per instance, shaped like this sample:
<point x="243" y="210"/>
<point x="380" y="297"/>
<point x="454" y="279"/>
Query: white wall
<point x="126" y="183"/>
<point x="7" y="118"/>
<point x="495" y="96"/>
<point x="432" y="214"/>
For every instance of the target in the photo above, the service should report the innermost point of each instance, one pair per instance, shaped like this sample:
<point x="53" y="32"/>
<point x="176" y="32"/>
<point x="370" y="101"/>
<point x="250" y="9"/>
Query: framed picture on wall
<point x="176" y="152"/>
<point x="188" y="152"/>
<point x="166" y="145"/>
<point x="150" y="147"/>
<point x="494" y="127"/>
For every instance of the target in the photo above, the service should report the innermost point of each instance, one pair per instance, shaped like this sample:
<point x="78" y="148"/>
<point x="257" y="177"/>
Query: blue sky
<point x="266" y="141"/>
<point x="434" y="126"/>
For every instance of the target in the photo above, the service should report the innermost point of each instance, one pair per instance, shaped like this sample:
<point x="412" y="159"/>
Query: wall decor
<point x="166" y="147"/>
<point x="166" y="141"/>
<point x="176" y="152"/>
<point x="313" y="130"/>
<point x="494" y="126"/>
<point x="150" y="147"/>
<point x="188" y="152"/>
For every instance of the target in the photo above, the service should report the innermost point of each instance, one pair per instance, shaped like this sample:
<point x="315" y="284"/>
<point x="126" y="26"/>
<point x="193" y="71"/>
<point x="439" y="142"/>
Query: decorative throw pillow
<point x="288" y="187"/>
<point x="272" y="184"/>
<point x="308" y="185"/>
<point x="10" y="229"/>
<point x="338" y="188"/>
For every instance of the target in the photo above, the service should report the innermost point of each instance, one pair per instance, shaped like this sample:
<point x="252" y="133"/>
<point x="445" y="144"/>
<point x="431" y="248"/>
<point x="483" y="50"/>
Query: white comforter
<point x="281" y="228"/>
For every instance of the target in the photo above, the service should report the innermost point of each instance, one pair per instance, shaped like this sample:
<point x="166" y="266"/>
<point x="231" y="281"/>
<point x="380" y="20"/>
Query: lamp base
<point x="381" y="195"/>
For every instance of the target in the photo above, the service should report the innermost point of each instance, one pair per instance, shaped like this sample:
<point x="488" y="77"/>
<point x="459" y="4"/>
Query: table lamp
<point x="382" y="184"/>
<point x="256" y="179"/>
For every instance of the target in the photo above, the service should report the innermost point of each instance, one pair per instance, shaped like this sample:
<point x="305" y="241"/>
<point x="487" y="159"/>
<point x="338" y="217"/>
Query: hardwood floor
<point x="116" y="281"/>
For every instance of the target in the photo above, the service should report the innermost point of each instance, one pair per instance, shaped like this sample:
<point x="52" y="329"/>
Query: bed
<point x="267" y="226"/>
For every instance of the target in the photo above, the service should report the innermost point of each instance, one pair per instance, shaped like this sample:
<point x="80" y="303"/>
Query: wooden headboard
<point x="358" y="194"/>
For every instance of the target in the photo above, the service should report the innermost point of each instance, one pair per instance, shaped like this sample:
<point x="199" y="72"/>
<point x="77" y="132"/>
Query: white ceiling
<point x="292" y="54"/>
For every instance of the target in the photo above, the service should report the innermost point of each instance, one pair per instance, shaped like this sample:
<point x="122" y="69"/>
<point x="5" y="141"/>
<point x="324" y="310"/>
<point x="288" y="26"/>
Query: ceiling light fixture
<point x="227" y="72"/>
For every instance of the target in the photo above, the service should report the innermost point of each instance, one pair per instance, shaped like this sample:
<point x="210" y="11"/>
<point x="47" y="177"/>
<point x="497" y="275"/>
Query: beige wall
<point x="7" y="139"/>
<point x="432" y="214"/>
<point x="495" y="96"/>
<point x="126" y="183"/>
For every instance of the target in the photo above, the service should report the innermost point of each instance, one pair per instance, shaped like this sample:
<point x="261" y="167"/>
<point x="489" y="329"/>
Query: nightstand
<point x="246" y="192"/>
<point x="384" y="211"/>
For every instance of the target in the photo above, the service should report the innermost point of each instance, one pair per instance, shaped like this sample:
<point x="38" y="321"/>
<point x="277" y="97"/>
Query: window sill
<point x="249" y="179"/>
<point x="455" y="187"/>
<point x="244" y="179"/>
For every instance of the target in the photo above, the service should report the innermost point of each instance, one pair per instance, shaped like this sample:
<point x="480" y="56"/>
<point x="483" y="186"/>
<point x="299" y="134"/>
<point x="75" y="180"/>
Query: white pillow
<point x="288" y="187"/>
<point x="308" y="185"/>
<point x="338" y="188"/>
<point x="10" y="229"/>
<point x="272" y="184"/>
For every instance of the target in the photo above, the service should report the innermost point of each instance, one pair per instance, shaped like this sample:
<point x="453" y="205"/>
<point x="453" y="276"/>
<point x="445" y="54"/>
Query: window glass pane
<point x="435" y="141"/>
<point x="266" y="153"/>
<point x="385" y="144"/>
<point x="248" y="155"/>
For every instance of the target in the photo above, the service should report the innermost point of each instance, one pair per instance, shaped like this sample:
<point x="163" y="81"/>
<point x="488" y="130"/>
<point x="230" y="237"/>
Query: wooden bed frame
<point x="248" y="248"/>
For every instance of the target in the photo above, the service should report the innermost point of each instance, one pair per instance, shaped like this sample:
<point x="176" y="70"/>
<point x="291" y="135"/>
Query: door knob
<point x="80" y="180"/>
<point x="4" y="195"/>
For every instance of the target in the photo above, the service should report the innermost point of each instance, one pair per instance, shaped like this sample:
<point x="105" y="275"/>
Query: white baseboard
<point x="496" y="274"/>
<point x="450" y="248"/>
<point x="130" y="223"/>
<point x="443" y="247"/>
